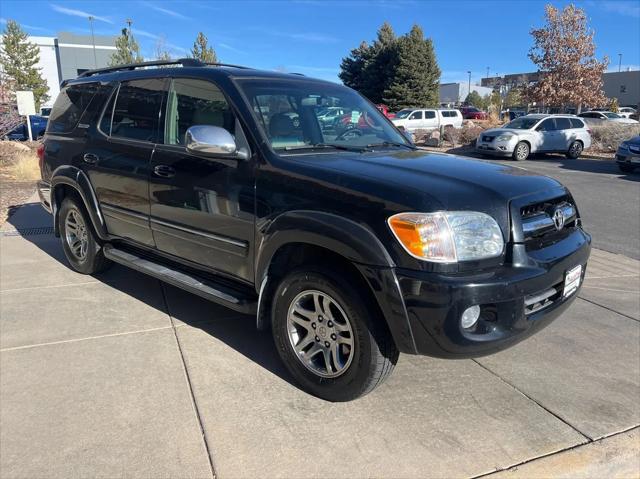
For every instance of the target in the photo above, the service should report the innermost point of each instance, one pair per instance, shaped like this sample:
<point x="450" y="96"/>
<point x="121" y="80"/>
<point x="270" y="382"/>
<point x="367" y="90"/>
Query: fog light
<point x="470" y="317"/>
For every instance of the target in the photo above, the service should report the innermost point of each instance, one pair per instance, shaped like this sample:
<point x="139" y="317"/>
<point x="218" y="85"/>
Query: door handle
<point x="164" y="171"/>
<point x="90" y="158"/>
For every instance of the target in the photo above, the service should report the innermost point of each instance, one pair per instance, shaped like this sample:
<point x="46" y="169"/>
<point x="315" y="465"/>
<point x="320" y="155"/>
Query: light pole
<point x="469" y="87"/>
<point x="93" y="40"/>
<point x="619" y="62"/>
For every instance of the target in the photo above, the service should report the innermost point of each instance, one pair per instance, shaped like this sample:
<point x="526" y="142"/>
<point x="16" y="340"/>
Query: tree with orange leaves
<point x="564" y="51"/>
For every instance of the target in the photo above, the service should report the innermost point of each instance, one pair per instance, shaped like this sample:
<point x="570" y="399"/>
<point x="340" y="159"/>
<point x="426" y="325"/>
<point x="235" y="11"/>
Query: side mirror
<point x="208" y="140"/>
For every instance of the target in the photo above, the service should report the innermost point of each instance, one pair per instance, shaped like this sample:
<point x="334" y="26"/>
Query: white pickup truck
<point x="412" y="119"/>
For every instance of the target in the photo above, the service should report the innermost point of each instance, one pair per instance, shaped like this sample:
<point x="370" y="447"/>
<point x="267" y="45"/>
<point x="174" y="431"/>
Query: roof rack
<point x="185" y="62"/>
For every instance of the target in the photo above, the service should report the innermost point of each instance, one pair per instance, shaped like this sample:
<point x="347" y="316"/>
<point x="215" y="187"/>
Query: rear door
<point x="566" y="133"/>
<point x="414" y="121"/>
<point x="431" y="120"/>
<point x="202" y="208"/>
<point x="117" y="161"/>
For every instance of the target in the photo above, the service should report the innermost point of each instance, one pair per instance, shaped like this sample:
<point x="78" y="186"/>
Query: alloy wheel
<point x="522" y="151"/>
<point x="76" y="234"/>
<point x="320" y="333"/>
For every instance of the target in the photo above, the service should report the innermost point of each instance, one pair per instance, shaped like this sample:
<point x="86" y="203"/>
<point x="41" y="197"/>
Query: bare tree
<point x="564" y="51"/>
<point x="160" y="50"/>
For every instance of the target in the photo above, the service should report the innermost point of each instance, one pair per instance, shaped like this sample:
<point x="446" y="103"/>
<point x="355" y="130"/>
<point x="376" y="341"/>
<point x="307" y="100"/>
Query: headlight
<point x="448" y="236"/>
<point x="504" y="137"/>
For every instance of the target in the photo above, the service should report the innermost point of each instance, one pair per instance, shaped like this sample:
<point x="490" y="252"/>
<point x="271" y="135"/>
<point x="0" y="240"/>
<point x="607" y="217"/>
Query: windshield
<point x="611" y="115"/>
<point x="522" y="123"/>
<point x="403" y="114"/>
<point x="297" y="115"/>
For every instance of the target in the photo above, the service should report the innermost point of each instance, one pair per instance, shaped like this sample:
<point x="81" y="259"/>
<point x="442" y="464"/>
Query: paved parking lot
<point x="120" y="375"/>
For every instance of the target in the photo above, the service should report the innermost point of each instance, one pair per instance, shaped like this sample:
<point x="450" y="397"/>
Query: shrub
<point x="606" y="137"/>
<point x="18" y="160"/>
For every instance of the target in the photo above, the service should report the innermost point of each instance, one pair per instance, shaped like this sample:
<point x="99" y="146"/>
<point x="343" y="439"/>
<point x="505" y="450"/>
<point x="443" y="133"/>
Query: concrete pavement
<point x="119" y="375"/>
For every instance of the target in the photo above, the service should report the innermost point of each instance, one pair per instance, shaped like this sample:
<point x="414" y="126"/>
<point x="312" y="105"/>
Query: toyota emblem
<point x="558" y="219"/>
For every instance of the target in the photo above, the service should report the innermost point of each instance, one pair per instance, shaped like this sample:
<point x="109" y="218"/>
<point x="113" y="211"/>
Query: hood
<point x="634" y="141"/>
<point x="422" y="181"/>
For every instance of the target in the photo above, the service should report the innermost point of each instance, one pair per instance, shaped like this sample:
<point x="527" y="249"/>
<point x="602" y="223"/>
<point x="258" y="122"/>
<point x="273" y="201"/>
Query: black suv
<point x="350" y="244"/>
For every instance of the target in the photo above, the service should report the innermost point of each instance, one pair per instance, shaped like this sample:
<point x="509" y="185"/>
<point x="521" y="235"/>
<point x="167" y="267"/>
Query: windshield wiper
<point x="333" y="146"/>
<point x="391" y="143"/>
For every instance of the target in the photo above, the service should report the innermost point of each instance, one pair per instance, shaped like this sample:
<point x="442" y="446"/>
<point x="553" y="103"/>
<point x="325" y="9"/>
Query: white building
<point x="67" y="55"/>
<point x="456" y="93"/>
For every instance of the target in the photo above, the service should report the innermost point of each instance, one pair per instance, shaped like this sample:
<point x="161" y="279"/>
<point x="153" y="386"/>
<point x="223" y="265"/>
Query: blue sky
<point x="311" y="36"/>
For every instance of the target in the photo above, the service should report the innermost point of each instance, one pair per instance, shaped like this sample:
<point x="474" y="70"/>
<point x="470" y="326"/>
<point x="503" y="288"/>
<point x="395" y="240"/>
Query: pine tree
<point x="18" y="60"/>
<point x="416" y="77"/>
<point x="474" y="99"/>
<point x="127" y="48"/>
<point x="399" y="71"/>
<point x="202" y="51"/>
<point x="354" y="68"/>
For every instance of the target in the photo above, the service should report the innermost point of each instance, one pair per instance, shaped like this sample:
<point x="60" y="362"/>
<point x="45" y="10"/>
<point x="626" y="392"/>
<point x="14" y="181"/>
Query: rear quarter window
<point x="575" y="123"/>
<point x="69" y="107"/>
<point x="563" y="124"/>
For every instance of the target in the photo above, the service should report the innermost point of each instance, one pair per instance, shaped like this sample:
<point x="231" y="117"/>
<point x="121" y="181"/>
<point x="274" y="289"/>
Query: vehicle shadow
<point x="588" y="165"/>
<point x="236" y="330"/>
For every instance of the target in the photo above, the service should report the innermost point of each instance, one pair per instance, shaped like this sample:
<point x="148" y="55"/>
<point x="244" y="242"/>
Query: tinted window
<point x="137" y="110"/>
<point x="575" y="123"/>
<point x="429" y="114"/>
<point x="547" y="125"/>
<point x="563" y="123"/>
<point x="195" y="102"/>
<point x="416" y="116"/>
<point x="69" y="106"/>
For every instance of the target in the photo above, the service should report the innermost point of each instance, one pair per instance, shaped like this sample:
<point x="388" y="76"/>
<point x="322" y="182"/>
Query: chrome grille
<point x="545" y="218"/>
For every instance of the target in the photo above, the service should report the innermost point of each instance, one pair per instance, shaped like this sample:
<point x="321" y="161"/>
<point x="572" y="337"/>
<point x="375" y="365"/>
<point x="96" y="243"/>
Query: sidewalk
<point x="119" y="375"/>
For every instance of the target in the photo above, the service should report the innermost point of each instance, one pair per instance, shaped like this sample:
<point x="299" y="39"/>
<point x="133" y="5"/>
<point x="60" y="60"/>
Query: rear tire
<point x="344" y="349"/>
<point x="575" y="150"/>
<point x="79" y="242"/>
<point x="521" y="151"/>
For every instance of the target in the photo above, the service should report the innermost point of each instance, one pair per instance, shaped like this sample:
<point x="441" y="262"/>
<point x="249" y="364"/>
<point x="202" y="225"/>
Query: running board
<point x="204" y="288"/>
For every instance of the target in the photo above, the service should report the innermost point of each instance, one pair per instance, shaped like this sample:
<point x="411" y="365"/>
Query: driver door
<point x="202" y="208"/>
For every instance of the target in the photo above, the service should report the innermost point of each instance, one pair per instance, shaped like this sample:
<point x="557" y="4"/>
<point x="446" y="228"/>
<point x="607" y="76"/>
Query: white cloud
<point x="79" y="13"/>
<point x="626" y="8"/>
<point x="307" y="37"/>
<point x="226" y="46"/>
<point x="27" y="27"/>
<point x="166" y="11"/>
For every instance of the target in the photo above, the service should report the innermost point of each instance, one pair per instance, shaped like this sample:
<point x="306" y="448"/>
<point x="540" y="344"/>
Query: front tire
<point x="521" y="151"/>
<point x="331" y="340"/>
<point x="575" y="150"/>
<point x="79" y="242"/>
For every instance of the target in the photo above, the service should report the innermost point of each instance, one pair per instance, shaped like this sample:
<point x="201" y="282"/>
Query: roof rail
<point x="185" y="62"/>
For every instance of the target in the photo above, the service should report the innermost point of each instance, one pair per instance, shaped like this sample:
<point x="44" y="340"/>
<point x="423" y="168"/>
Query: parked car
<point x="411" y="119"/>
<point x="385" y="110"/>
<point x="538" y="133"/>
<point x="508" y="115"/>
<point x="628" y="155"/>
<point x="473" y="113"/>
<point x="599" y="117"/>
<point x="21" y="132"/>
<point x="349" y="248"/>
<point x="627" y="111"/>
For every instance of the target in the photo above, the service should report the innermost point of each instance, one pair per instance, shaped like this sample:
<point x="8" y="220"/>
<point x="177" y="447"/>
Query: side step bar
<point x="204" y="288"/>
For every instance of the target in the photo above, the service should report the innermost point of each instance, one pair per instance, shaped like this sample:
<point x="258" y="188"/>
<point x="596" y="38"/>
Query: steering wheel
<point x="349" y="133"/>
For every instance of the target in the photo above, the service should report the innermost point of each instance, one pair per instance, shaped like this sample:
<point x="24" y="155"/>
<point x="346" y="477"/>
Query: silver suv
<point x="537" y="133"/>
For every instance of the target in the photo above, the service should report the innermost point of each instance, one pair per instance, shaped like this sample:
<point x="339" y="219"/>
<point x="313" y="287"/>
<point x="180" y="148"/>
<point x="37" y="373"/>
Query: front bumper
<point x="434" y="302"/>
<point x="627" y="157"/>
<point x="496" y="148"/>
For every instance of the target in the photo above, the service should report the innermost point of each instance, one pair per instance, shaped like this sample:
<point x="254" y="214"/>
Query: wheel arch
<point x="305" y="237"/>
<point x="67" y="180"/>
